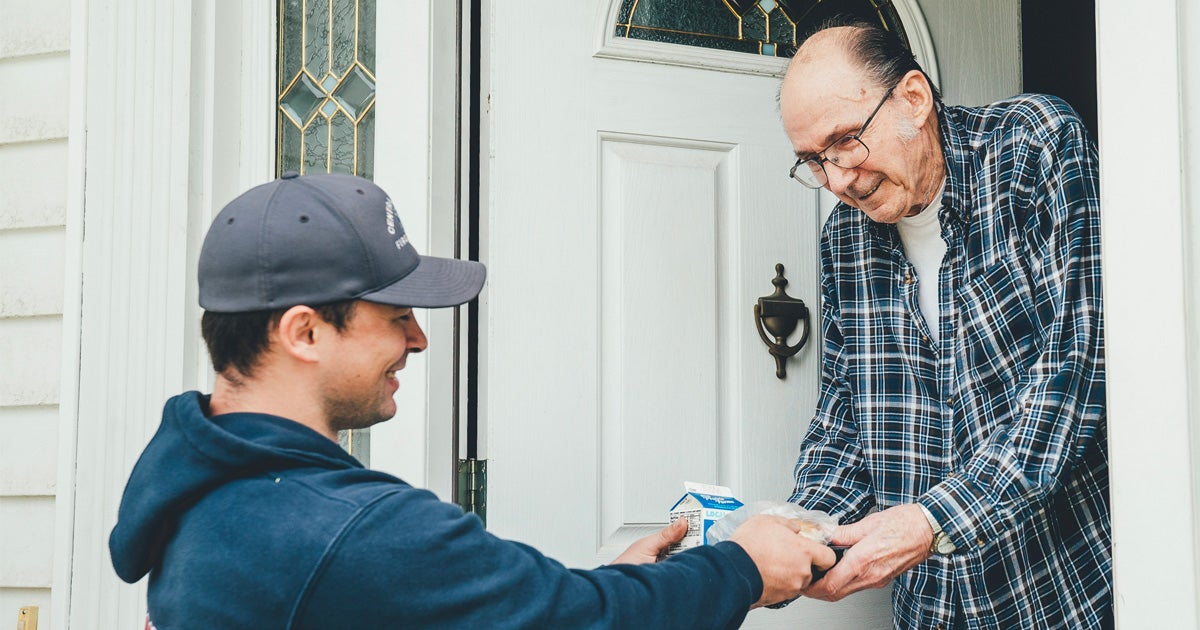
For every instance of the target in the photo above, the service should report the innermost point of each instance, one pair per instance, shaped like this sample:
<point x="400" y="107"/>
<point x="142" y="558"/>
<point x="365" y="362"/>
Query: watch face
<point x="943" y="544"/>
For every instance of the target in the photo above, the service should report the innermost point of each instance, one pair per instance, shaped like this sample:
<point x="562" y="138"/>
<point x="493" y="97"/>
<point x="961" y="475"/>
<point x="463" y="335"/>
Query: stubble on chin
<point x="346" y="413"/>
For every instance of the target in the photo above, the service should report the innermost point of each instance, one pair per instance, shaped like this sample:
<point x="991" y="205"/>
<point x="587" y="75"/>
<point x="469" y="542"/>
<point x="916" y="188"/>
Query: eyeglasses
<point x="846" y="152"/>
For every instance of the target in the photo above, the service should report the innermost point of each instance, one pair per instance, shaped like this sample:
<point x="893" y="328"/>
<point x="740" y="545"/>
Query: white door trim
<point x="414" y="163"/>
<point x="1150" y="236"/>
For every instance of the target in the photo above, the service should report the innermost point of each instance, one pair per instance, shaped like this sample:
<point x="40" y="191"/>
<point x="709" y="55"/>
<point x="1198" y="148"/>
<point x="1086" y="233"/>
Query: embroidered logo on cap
<point x="389" y="210"/>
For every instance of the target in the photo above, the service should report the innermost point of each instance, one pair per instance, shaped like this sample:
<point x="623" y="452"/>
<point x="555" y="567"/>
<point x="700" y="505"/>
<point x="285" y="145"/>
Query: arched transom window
<point x="759" y="27"/>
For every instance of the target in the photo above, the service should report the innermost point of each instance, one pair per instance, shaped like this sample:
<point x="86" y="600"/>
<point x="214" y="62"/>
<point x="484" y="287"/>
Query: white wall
<point x="34" y="75"/>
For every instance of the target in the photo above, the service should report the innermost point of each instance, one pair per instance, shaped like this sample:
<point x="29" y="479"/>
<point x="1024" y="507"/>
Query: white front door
<point x="635" y="212"/>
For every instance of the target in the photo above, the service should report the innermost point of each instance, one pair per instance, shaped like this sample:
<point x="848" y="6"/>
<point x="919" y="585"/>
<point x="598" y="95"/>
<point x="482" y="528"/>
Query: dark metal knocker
<point x="778" y="315"/>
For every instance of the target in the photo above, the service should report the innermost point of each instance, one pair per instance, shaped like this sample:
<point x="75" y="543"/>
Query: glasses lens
<point x="849" y="152"/>
<point x="810" y="173"/>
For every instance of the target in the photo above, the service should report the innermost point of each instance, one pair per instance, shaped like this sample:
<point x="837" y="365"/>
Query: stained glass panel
<point x="325" y="116"/>
<point x="316" y="36"/>
<point x="344" y="30"/>
<point x="760" y="27"/>
<point x="341" y="145"/>
<point x="366" y="145"/>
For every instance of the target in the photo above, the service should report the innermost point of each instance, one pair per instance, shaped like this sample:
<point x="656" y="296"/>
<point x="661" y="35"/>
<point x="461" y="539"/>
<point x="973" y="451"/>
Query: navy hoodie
<point x="248" y="520"/>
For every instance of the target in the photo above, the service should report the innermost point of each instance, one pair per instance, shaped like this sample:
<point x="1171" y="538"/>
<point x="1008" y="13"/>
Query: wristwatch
<point x="941" y="545"/>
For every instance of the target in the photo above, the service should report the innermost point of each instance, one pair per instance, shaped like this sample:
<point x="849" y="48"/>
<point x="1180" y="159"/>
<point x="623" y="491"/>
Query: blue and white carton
<point x="702" y="505"/>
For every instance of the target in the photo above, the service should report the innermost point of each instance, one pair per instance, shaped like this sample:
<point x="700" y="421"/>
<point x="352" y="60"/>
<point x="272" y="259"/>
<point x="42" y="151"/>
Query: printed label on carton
<point x="702" y="505"/>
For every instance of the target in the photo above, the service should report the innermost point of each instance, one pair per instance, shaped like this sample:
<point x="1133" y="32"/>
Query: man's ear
<point x="297" y="333"/>
<point x="916" y="91"/>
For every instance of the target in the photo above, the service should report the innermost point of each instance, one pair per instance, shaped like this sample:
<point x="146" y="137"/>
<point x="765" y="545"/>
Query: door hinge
<point x="472" y="487"/>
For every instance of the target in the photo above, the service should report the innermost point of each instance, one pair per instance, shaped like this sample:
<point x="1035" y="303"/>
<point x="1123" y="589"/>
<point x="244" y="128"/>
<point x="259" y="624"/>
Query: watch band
<point x="941" y="544"/>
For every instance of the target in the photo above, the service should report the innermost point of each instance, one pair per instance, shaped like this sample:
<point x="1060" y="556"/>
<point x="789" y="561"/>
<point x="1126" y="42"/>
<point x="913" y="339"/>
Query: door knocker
<point x="778" y="314"/>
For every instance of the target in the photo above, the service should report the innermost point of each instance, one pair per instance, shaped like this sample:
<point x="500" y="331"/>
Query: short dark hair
<point x="882" y="54"/>
<point x="237" y="340"/>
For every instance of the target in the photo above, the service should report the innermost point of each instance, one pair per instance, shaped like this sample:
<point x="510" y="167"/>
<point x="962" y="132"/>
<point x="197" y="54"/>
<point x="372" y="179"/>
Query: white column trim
<point x="172" y="114"/>
<point x="68" y="402"/>
<point x="133" y="178"/>
<point x="1148" y="237"/>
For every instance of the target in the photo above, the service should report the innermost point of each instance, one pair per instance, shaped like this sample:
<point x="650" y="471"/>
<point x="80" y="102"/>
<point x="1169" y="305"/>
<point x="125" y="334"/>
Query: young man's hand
<point x="785" y="558"/>
<point x="654" y="546"/>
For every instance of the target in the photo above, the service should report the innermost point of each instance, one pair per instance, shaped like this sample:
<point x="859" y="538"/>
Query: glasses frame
<point x="820" y="155"/>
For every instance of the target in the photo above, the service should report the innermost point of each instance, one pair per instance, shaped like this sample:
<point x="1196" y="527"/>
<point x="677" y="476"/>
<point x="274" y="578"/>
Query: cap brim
<point x="435" y="283"/>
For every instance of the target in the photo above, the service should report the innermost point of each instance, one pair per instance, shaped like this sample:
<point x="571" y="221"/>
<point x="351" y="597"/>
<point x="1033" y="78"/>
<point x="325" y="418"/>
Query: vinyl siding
<point x="34" y="70"/>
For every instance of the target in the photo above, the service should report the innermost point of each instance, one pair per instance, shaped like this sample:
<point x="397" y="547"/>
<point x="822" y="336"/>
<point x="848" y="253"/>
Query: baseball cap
<point x="316" y="239"/>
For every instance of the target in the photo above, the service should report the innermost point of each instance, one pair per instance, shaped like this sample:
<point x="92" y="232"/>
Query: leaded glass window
<point x="325" y="118"/>
<point x="759" y="27"/>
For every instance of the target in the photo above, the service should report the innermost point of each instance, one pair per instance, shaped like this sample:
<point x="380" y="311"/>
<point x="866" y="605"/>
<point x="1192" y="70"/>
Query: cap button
<point x="289" y="175"/>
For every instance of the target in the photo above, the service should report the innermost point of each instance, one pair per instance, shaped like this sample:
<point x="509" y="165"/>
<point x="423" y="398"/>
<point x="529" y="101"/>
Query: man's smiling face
<point x="825" y="96"/>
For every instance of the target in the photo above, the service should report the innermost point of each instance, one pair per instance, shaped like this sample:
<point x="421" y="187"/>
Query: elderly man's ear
<point x="915" y="91"/>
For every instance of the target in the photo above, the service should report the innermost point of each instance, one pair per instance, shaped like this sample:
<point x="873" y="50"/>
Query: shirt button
<point x="979" y="542"/>
<point x="950" y="400"/>
<point x="908" y="278"/>
<point x="925" y="338"/>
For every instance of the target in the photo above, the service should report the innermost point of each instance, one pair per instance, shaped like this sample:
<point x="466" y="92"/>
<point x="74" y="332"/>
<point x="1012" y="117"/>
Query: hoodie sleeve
<point x="411" y="560"/>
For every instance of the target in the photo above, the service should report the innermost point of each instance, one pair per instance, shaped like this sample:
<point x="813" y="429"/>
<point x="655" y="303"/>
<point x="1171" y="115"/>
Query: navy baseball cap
<point x="316" y="239"/>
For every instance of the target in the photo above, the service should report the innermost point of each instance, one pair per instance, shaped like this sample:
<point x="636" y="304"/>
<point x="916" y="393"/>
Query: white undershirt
<point x="921" y="237"/>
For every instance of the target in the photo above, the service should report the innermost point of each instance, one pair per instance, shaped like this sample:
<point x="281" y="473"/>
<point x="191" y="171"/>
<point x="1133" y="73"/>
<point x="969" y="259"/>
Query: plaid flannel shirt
<point x="999" y="429"/>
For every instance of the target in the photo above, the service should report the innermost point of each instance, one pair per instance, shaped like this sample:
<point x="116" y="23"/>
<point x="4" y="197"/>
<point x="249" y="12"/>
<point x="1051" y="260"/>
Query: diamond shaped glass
<point x="302" y="99"/>
<point x="355" y="92"/>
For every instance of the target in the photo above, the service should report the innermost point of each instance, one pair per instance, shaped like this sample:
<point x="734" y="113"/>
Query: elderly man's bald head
<point x="860" y="88"/>
<point x="878" y="53"/>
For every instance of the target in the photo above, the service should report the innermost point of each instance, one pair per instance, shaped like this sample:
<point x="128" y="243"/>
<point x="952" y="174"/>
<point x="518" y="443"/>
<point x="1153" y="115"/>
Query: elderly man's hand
<point x="882" y="546"/>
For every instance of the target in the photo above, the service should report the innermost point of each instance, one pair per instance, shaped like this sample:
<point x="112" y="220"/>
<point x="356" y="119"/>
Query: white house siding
<point x="34" y="82"/>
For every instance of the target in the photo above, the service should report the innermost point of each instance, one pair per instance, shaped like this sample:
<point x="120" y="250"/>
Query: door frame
<point x="1151" y="237"/>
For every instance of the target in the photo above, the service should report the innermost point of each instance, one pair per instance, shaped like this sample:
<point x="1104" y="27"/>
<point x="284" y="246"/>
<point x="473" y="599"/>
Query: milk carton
<point x="702" y="505"/>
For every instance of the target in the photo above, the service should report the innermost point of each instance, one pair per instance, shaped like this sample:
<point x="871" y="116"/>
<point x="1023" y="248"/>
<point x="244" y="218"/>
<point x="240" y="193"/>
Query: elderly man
<point x="247" y="514"/>
<point x="960" y="428"/>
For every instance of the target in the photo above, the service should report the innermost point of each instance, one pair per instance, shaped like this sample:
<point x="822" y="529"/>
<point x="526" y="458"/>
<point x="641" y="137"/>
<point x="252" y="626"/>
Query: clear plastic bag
<point x="820" y="524"/>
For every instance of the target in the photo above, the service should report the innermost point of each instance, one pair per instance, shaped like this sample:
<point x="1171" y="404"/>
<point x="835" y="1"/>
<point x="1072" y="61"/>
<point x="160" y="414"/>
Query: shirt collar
<point x="961" y="161"/>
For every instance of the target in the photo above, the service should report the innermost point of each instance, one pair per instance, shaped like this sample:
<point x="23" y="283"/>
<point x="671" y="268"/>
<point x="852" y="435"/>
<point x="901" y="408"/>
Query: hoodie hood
<point x="190" y="456"/>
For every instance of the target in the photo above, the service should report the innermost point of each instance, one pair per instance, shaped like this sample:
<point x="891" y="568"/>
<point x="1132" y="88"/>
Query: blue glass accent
<point x="329" y="108"/>
<point x="768" y="50"/>
<point x="328" y="83"/>
<point x="767" y="5"/>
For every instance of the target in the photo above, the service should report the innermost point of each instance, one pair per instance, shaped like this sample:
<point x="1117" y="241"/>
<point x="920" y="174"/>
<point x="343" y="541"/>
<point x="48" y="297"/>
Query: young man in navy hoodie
<point x="246" y="513"/>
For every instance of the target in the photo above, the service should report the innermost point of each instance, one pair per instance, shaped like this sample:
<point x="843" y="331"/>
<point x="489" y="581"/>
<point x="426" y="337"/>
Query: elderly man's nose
<point x="839" y="179"/>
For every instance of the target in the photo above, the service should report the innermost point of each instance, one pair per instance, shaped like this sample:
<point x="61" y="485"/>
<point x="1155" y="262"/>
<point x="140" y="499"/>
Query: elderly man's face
<point x="824" y="98"/>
